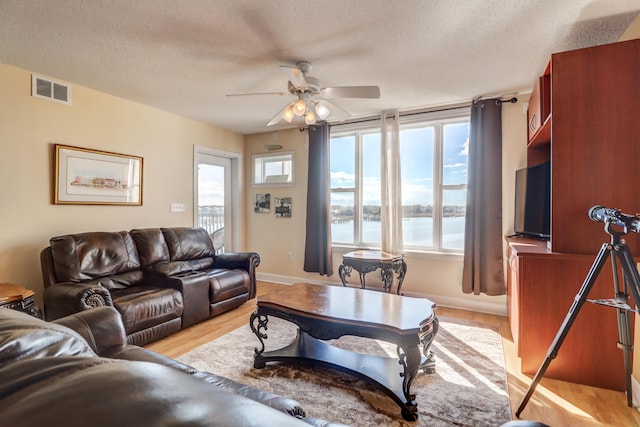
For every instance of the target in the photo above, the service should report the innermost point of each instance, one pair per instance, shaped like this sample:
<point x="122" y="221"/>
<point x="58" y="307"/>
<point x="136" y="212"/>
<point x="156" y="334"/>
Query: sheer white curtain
<point x="391" y="201"/>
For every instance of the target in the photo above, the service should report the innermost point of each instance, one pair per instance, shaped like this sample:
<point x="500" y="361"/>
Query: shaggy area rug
<point x="468" y="388"/>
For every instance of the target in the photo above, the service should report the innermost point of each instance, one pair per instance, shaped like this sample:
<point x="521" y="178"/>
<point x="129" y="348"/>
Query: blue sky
<point x="417" y="147"/>
<point x="210" y="185"/>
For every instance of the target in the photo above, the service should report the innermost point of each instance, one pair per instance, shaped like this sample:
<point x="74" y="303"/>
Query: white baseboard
<point x="442" y="301"/>
<point x="635" y="389"/>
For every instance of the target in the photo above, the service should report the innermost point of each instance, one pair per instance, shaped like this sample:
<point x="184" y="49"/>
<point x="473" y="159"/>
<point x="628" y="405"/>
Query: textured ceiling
<point x="185" y="56"/>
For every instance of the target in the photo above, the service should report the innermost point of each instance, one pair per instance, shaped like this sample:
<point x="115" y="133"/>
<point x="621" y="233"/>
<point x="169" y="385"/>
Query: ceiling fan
<point x="313" y="103"/>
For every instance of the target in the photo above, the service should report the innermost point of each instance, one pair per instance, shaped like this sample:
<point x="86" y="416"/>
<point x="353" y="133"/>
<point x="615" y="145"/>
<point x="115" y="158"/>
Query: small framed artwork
<point x="263" y="203"/>
<point x="92" y="177"/>
<point x="282" y="207"/>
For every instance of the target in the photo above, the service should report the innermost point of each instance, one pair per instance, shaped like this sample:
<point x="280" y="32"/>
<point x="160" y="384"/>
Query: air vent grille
<point x="49" y="89"/>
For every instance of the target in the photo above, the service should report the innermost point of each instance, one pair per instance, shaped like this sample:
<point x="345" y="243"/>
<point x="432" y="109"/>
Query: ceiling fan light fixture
<point x="300" y="107"/>
<point x="310" y="118"/>
<point x="322" y="111"/>
<point x="288" y="114"/>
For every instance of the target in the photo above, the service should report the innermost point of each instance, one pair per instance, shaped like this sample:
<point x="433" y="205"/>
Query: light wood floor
<point x="555" y="403"/>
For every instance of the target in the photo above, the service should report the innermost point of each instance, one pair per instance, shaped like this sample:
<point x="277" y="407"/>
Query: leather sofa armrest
<point x="248" y="261"/>
<point x="194" y="287"/>
<point x="136" y="353"/>
<point x="63" y="299"/>
<point x="102" y="328"/>
<point x="284" y="404"/>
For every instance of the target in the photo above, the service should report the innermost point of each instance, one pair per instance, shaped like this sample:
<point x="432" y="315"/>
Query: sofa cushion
<point x="226" y="284"/>
<point x="152" y="248"/>
<point x="143" y="306"/>
<point x="118" y="281"/>
<point x="171" y="268"/>
<point x="186" y="243"/>
<point x="99" y="392"/>
<point x="85" y="256"/>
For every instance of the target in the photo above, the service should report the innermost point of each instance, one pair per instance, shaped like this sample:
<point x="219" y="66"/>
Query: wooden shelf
<point x="542" y="137"/>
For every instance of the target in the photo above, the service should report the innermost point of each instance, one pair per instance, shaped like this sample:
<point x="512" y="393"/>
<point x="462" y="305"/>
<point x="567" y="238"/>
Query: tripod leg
<point x="632" y="280"/>
<point x="578" y="302"/>
<point x="631" y="273"/>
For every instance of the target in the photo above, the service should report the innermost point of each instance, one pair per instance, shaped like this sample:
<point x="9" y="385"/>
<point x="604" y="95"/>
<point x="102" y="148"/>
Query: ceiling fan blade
<point x="278" y="116"/>
<point x="295" y="75"/>
<point x="350" y="92"/>
<point x="258" y="93"/>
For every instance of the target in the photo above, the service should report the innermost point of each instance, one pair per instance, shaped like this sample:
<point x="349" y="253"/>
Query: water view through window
<point x="433" y="158"/>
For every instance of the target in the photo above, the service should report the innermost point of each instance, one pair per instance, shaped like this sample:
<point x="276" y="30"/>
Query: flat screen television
<point x="533" y="201"/>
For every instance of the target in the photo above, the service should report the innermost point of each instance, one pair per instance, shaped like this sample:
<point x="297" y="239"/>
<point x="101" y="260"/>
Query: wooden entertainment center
<point x="584" y="116"/>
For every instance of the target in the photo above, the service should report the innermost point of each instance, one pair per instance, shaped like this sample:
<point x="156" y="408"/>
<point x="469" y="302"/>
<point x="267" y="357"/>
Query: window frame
<point x="438" y="120"/>
<point x="263" y="159"/>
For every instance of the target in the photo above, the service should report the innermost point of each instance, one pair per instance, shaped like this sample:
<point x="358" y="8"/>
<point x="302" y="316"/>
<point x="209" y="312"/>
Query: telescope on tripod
<point x="616" y="224"/>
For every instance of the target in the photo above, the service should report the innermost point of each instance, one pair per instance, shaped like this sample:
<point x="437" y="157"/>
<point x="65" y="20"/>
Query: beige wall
<point x="28" y="128"/>
<point x="435" y="276"/>
<point x="633" y="31"/>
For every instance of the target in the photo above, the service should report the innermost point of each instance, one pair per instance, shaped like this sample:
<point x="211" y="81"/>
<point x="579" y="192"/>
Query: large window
<point x="433" y="162"/>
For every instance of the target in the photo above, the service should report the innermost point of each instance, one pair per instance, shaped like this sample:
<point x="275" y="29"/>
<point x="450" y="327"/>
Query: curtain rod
<point x="499" y="101"/>
<point x="405" y="114"/>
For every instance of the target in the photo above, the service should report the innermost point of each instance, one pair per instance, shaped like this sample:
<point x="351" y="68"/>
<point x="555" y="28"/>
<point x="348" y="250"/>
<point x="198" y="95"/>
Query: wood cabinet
<point x="539" y="107"/>
<point x="592" y="138"/>
<point x="541" y="287"/>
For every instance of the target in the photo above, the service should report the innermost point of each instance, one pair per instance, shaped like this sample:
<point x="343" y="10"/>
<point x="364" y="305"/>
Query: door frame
<point x="235" y="239"/>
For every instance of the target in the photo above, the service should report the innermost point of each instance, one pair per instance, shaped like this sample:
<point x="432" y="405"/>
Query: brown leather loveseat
<point x="159" y="279"/>
<point x="79" y="371"/>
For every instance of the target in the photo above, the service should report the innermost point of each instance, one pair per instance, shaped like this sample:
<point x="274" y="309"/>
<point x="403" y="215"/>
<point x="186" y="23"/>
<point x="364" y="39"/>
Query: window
<point x="433" y="162"/>
<point x="273" y="169"/>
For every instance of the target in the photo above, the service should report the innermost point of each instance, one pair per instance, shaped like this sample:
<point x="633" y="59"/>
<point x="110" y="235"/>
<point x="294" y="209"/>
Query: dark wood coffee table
<point x="329" y="312"/>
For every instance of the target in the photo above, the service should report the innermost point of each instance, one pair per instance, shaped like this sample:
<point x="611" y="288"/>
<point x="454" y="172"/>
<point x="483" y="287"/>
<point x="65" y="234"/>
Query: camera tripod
<point x="631" y="280"/>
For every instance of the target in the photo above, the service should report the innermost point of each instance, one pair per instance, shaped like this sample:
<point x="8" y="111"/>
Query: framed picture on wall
<point x="263" y="203"/>
<point x="282" y="207"/>
<point x="91" y="177"/>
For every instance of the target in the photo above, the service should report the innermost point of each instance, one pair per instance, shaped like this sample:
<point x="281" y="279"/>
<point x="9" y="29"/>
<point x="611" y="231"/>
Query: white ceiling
<point x="184" y="56"/>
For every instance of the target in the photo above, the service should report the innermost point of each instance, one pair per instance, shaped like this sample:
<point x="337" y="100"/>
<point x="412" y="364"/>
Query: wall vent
<point x="49" y="89"/>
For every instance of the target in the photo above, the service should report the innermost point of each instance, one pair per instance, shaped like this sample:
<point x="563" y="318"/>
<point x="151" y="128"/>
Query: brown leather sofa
<point x="159" y="279"/>
<point x="79" y="370"/>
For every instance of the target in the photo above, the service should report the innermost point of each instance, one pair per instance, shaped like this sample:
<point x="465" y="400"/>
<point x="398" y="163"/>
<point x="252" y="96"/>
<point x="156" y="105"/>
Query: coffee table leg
<point x="428" y="365"/>
<point x="410" y="359"/>
<point x="258" y="323"/>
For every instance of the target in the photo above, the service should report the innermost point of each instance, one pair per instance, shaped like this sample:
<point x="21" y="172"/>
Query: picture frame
<point x="85" y="176"/>
<point x="262" y="203"/>
<point x="282" y="207"/>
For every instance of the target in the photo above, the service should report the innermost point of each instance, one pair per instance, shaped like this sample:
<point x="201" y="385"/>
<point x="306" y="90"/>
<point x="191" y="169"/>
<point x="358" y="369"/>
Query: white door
<point x="214" y="198"/>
